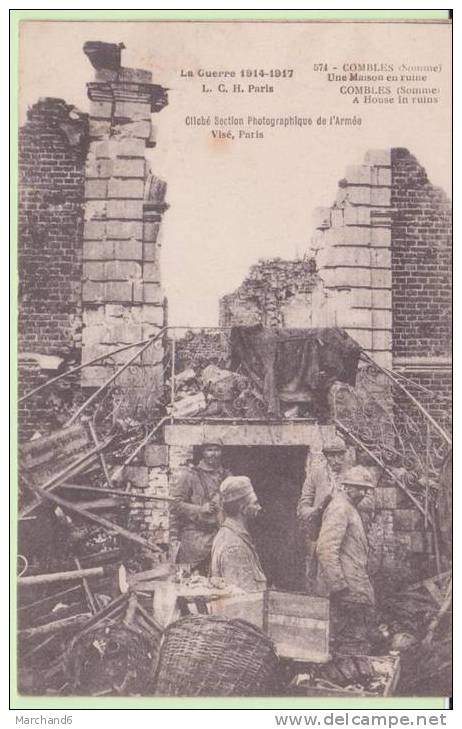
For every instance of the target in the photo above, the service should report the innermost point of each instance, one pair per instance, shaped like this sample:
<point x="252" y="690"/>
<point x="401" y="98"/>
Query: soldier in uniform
<point x="342" y="551"/>
<point x="196" y="508"/>
<point x="234" y="557"/>
<point x="320" y="484"/>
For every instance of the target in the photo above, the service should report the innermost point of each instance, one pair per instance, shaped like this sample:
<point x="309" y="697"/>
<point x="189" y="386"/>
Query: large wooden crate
<point x="298" y="624"/>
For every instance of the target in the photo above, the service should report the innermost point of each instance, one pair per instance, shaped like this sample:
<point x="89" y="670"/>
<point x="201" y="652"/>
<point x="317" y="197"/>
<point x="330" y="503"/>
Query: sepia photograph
<point x="234" y="359"/>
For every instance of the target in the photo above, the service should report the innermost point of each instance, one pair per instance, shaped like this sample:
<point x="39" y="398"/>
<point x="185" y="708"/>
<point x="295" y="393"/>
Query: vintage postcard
<point x="234" y="358"/>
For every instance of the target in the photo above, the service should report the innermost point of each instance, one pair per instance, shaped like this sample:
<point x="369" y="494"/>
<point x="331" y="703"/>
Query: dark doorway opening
<point x="277" y="474"/>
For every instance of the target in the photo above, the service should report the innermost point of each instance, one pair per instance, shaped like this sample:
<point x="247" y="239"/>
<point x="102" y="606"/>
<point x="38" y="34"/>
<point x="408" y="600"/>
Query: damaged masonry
<point x="320" y="406"/>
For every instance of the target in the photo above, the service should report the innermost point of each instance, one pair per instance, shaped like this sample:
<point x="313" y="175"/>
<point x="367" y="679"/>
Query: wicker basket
<point x="211" y="656"/>
<point x="112" y="658"/>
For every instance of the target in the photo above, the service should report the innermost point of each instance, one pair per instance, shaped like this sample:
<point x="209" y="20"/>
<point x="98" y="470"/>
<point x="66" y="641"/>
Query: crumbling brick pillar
<point x="124" y="202"/>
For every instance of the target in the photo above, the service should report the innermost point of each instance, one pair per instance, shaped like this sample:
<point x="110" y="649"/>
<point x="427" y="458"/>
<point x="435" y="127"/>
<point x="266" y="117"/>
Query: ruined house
<point x="89" y="218"/>
<point x="380" y="268"/>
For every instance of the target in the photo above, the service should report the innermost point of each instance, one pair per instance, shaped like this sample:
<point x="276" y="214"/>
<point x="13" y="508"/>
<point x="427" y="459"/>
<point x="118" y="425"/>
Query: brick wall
<point x="149" y="478"/>
<point x="51" y="183"/>
<point x="197" y="349"/>
<point x="420" y="262"/>
<point x="52" y="147"/>
<point x="421" y="283"/>
<point x="275" y="293"/>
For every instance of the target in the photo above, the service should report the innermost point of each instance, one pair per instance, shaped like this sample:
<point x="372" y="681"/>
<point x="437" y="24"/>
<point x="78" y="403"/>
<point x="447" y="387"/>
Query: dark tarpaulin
<point x="294" y="365"/>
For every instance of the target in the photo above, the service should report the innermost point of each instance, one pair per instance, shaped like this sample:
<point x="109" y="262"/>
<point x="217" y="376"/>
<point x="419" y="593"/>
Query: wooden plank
<point x="88" y="593"/>
<point x="244" y="607"/>
<point x="392" y="682"/>
<point x="60" y="576"/>
<point x="111" y="610"/>
<point x="73" y="621"/>
<point x="149" y="619"/>
<point x="162" y="570"/>
<point x="109" y="503"/>
<point x="296" y="604"/>
<point x="70" y="470"/>
<point x="101" y="456"/>
<point x="298" y="624"/>
<point x="437" y="578"/>
<point x="49" y="598"/>
<point x="38" y="647"/>
<point x="64" y="443"/>
<point x="115" y="492"/>
<point x="149" y="586"/>
<point x="434" y="592"/>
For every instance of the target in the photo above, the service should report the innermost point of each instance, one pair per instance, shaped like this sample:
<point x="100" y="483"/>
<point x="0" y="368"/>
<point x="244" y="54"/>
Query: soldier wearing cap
<point x="322" y="479"/>
<point x="234" y="557"/>
<point x="320" y="483"/>
<point x="195" y="511"/>
<point x="342" y="553"/>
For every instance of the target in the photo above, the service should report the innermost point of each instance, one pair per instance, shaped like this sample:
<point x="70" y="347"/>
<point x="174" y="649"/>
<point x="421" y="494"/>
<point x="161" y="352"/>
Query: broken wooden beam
<point x="88" y="593"/>
<point x="73" y="621"/>
<point x="440" y="577"/>
<point x="61" y="576"/>
<point x="49" y="598"/>
<point x="444" y="607"/>
<point x="70" y="470"/>
<point x="100" y="455"/>
<point x="39" y="647"/>
<point x="65" y="504"/>
<point x="115" y="492"/>
<point x="160" y="572"/>
<point x="151" y="621"/>
<point x="109" y="610"/>
<point x="108" y="503"/>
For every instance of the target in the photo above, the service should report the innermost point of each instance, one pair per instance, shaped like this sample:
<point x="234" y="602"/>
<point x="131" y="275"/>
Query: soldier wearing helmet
<point x="342" y="551"/>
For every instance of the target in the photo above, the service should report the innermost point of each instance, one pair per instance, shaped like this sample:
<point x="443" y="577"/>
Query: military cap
<point x="235" y="487"/>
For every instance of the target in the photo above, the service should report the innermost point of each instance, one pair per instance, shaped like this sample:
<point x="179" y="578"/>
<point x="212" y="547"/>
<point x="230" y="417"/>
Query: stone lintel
<point x="247" y="434"/>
